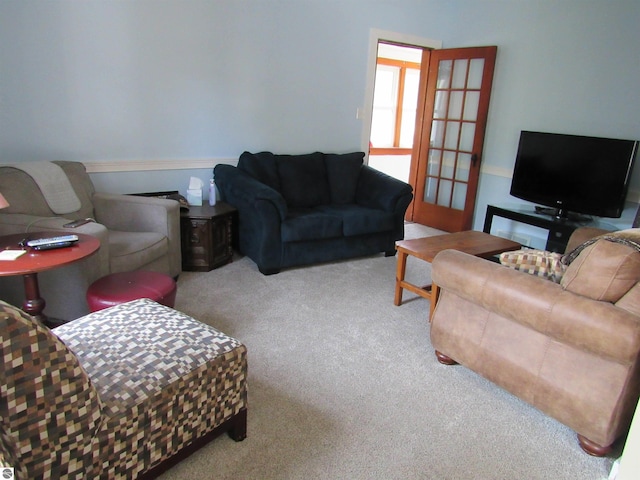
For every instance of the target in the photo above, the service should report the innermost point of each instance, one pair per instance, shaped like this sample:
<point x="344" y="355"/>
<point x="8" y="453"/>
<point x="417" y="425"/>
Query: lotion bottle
<point x="212" y="193"/>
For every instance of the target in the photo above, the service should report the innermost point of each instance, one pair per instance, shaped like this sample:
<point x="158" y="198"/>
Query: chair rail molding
<point x="141" y="165"/>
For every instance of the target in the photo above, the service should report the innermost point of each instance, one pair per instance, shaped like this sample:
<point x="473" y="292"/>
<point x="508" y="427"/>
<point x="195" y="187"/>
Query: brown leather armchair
<point x="572" y="349"/>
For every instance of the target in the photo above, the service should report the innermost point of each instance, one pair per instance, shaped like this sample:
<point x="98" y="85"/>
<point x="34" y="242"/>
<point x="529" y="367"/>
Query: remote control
<point x="52" y="240"/>
<point x="51" y="246"/>
<point x="77" y="223"/>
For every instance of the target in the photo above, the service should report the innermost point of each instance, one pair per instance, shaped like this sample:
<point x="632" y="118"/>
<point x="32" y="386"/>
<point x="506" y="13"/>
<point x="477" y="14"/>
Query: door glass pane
<point x="459" y="74"/>
<point x="455" y="105"/>
<point x="437" y="133"/>
<point x="475" y="73"/>
<point x="433" y="167"/>
<point x="459" y="195"/>
<point x="440" y="107"/>
<point x="448" y="164"/>
<point x="466" y="137"/>
<point x="430" y="188"/>
<point x="444" y="193"/>
<point x="451" y="138"/>
<point x="471" y="104"/>
<point x="444" y="74"/>
<point x="464" y="165"/>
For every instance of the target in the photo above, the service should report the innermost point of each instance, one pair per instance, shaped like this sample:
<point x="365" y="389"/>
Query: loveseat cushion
<point x="604" y="270"/>
<point x="343" y="171"/>
<point x="359" y="220"/>
<point x="261" y="166"/>
<point x="310" y="224"/>
<point x="303" y="180"/>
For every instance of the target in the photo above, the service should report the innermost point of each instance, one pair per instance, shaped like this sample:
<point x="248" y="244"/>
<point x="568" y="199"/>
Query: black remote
<point x="51" y="246"/>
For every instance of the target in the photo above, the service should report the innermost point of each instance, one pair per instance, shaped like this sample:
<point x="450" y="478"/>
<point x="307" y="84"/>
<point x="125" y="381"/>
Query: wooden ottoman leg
<point x="238" y="430"/>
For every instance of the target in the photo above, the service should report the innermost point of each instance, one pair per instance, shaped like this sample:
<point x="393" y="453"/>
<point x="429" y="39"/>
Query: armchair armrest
<point x="378" y="190"/>
<point x="130" y="213"/>
<point x="544" y="306"/>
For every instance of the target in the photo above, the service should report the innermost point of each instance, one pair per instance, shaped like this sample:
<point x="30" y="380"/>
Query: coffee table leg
<point x="33" y="302"/>
<point x="400" y="272"/>
<point x="435" y="292"/>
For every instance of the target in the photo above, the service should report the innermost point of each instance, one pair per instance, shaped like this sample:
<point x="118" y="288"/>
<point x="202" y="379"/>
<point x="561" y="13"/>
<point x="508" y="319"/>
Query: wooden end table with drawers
<point x="207" y="236"/>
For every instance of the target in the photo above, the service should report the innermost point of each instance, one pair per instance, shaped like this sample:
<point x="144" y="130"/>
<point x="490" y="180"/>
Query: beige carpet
<point x="344" y="385"/>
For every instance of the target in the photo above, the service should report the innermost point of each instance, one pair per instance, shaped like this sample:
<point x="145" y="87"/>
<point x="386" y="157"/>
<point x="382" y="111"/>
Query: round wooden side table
<point x="34" y="261"/>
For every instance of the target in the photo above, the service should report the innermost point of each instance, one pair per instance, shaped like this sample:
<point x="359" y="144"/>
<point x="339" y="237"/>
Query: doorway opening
<point x="392" y="148"/>
<point x="395" y="101"/>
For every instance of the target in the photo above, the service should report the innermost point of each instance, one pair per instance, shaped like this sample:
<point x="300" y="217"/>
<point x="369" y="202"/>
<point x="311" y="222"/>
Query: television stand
<point x="560" y="213"/>
<point x="559" y="229"/>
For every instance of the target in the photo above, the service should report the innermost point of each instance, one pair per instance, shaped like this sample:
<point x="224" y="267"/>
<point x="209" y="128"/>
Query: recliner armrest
<point x="376" y="189"/>
<point x="595" y="326"/>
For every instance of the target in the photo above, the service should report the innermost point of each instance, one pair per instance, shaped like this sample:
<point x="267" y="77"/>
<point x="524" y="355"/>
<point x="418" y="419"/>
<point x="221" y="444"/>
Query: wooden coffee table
<point x="475" y="243"/>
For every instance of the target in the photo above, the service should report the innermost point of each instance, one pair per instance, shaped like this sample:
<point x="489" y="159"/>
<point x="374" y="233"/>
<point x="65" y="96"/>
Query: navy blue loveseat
<point x="304" y="209"/>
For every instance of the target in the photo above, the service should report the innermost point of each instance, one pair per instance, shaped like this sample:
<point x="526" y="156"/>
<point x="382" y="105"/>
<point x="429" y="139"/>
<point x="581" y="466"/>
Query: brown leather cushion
<point x="603" y="271"/>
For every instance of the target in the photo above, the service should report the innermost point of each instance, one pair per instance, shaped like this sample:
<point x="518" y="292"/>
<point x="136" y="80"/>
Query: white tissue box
<point x="194" y="196"/>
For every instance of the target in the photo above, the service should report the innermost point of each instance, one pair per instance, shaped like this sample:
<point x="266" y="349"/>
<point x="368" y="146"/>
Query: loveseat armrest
<point x="238" y="188"/>
<point x="376" y="189"/>
<point x="132" y="213"/>
<point x="539" y="304"/>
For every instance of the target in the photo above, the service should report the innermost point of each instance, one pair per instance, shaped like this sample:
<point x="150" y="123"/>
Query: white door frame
<point x="375" y="36"/>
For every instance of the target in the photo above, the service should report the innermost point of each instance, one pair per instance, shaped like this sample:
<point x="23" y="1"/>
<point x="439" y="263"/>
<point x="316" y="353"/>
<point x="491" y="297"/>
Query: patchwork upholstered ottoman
<point x="125" y="392"/>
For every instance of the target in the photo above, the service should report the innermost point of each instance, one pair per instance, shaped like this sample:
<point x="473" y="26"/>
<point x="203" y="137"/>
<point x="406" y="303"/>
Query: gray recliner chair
<point x="135" y="233"/>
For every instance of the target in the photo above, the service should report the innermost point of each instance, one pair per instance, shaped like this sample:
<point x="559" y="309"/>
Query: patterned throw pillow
<point x="536" y="262"/>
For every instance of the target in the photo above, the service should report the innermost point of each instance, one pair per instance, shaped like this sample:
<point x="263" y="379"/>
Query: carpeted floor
<point x="344" y="385"/>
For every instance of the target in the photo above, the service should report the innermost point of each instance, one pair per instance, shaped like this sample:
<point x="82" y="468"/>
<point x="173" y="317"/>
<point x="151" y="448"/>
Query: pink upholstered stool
<point x="122" y="287"/>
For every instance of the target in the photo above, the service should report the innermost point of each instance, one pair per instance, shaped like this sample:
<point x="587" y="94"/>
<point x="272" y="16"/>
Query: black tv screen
<point x="573" y="173"/>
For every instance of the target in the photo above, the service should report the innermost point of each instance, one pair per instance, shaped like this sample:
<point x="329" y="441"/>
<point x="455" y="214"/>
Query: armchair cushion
<point x="603" y="271"/>
<point x="24" y="196"/>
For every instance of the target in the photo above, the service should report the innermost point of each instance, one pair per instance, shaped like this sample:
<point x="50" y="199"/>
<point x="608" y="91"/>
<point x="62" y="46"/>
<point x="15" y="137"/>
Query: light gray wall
<point x="115" y="80"/>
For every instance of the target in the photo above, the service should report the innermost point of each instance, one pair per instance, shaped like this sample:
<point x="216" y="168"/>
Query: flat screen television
<point x="573" y="174"/>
